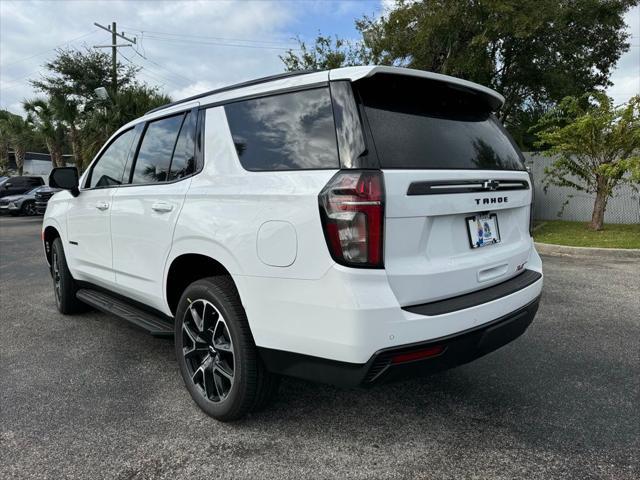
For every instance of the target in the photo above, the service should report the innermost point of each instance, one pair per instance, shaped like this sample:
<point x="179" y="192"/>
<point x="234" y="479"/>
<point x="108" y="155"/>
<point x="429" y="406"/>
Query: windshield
<point x="424" y="124"/>
<point x="33" y="190"/>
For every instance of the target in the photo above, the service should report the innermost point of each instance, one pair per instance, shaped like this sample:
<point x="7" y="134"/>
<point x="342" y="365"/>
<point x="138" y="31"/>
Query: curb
<point x="552" y="249"/>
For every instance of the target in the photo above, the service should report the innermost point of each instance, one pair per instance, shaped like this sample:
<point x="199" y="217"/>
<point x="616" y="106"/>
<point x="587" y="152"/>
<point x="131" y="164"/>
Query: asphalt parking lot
<point x="88" y="396"/>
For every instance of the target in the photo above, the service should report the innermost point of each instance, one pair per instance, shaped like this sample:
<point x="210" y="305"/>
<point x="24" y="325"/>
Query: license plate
<point x="483" y="230"/>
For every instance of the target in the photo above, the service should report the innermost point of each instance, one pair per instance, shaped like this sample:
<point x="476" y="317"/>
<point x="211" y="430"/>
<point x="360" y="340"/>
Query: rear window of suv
<point x="423" y="124"/>
<point x="288" y="131"/>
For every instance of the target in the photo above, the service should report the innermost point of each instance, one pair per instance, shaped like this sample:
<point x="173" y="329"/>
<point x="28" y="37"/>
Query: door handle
<point x="102" y="205"/>
<point x="162" y="207"/>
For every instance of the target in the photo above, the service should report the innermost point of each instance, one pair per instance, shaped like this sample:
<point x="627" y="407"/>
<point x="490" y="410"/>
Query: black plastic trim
<point x="523" y="280"/>
<point x="442" y="187"/>
<point x="459" y="348"/>
<point x="134" y="306"/>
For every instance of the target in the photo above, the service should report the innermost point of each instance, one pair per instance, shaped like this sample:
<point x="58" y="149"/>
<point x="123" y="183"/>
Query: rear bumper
<point x="349" y="314"/>
<point x="456" y="349"/>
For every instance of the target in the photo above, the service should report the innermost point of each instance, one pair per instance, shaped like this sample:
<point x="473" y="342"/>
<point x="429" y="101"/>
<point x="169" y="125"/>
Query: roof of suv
<point x="309" y="77"/>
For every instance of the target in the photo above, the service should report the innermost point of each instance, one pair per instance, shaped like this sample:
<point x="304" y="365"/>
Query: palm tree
<point x="18" y="134"/>
<point x="41" y="114"/>
<point x="67" y="111"/>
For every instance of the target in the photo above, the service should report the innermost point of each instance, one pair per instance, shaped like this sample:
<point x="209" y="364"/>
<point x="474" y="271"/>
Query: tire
<point x="29" y="209"/>
<point x="216" y="353"/>
<point x="64" y="286"/>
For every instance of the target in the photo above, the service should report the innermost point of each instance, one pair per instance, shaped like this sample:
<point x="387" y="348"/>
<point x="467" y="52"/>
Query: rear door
<point x="145" y="211"/>
<point x="457" y="193"/>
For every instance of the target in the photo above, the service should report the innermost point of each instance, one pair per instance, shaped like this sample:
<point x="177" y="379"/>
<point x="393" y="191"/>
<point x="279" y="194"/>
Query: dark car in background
<point x="42" y="197"/>
<point x="18" y="185"/>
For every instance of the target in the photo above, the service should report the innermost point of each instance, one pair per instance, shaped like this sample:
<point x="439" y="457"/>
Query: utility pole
<point x="114" y="55"/>
<point x="114" y="49"/>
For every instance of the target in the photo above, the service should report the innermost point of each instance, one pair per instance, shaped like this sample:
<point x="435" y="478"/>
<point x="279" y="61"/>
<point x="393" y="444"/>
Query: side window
<point x="157" y="147"/>
<point x="109" y="168"/>
<point x="290" y="131"/>
<point x="183" y="162"/>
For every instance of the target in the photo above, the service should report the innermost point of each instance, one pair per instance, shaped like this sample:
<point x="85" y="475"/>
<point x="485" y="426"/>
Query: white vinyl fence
<point x="624" y="207"/>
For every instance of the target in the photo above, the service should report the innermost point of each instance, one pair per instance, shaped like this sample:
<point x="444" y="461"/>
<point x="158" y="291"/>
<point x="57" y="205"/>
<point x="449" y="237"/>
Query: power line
<point x="150" y="73"/>
<point x="219" y="44"/>
<point x="224" y="39"/>
<point x="50" y="49"/>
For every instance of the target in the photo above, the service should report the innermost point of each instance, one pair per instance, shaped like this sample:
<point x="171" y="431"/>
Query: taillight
<point x="352" y="212"/>
<point x="533" y="197"/>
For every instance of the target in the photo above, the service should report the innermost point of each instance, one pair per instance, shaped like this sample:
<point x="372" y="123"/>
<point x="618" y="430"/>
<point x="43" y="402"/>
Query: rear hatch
<point x="457" y="193"/>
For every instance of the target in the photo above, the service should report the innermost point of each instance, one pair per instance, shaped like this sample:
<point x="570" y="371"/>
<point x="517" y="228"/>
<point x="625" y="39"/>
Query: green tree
<point x="77" y="73"/>
<point x="42" y="115"/>
<point x="597" y="146"/>
<point x="67" y="111"/>
<point x="533" y="53"/>
<point x="16" y="133"/>
<point x="325" y="53"/>
<point x="106" y="116"/>
<point x="73" y="108"/>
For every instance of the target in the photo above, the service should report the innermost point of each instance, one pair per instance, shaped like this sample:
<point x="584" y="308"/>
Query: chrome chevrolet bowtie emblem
<point x="490" y="184"/>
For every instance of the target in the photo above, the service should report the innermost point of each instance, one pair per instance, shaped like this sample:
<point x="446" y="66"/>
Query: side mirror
<point x="65" y="178"/>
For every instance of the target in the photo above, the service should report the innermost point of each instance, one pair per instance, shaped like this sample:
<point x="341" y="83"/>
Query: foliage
<point x="597" y="145"/>
<point x="15" y="133"/>
<point x="43" y="118"/>
<point x="109" y="115"/>
<point x="72" y="114"/>
<point x="533" y="53"/>
<point x="75" y="74"/>
<point x="326" y="53"/>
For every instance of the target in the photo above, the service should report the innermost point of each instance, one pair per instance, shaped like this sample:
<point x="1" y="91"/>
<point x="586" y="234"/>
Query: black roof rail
<point x="235" y="86"/>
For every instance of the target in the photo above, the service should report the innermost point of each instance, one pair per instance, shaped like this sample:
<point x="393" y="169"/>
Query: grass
<point x="576" y="234"/>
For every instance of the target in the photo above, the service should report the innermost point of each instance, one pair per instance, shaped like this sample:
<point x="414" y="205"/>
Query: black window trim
<point x="275" y="93"/>
<point x="140" y="128"/>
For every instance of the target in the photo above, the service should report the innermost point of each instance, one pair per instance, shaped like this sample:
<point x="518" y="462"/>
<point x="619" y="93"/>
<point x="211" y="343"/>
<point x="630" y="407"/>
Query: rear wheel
<point x="64" y="286"/>
<point x="216" y="353"/>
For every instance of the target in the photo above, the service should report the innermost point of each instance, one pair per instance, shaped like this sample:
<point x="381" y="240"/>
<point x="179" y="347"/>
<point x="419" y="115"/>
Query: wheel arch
<point x="188" y="266"/>
<point x="49" y="234"/>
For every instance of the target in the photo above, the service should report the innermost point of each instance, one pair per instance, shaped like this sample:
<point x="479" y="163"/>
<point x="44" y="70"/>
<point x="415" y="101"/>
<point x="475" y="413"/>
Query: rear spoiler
<point x="493" y="98"/>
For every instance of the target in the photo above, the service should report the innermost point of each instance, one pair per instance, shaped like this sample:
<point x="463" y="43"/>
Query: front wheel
<point x="64" y="286"/>
<point x="216" y="353"/>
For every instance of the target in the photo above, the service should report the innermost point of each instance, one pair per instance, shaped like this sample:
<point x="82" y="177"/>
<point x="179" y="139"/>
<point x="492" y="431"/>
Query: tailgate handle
<point x="493" y="272"/>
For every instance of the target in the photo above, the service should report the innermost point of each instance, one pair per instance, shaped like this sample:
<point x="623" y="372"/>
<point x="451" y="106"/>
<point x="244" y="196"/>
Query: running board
<point x="153" y="324"/>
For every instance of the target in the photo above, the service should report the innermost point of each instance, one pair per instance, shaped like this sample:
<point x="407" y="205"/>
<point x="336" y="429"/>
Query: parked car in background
<point x="42" y="198"/>
<point x="21" y="204"/>
<point x="18" y="185"/>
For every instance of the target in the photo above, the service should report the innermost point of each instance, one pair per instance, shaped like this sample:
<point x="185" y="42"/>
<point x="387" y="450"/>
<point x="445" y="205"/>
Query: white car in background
<point x="348" y="226"/>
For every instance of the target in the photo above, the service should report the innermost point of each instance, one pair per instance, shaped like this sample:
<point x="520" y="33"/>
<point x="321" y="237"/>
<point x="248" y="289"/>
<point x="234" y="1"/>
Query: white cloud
<point x="183" y="64"/>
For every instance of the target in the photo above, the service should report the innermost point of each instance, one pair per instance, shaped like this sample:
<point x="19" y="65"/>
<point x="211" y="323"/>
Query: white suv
<point x="347" y="226"/>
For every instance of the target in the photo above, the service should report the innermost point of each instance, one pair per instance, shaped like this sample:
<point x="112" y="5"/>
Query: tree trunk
<point x="55" y="151"/>
<point x="600" y="205"/>
<point x="19" y="153"/>
<point x="76" y="146"/>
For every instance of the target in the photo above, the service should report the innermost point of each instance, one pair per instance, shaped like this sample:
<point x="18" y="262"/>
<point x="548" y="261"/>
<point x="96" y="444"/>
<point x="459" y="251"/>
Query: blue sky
<point x="196" y="45"/>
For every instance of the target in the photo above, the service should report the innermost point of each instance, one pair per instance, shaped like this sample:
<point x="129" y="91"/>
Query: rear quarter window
<point x="424" y="124"/>
<point x="289" y="131"/>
